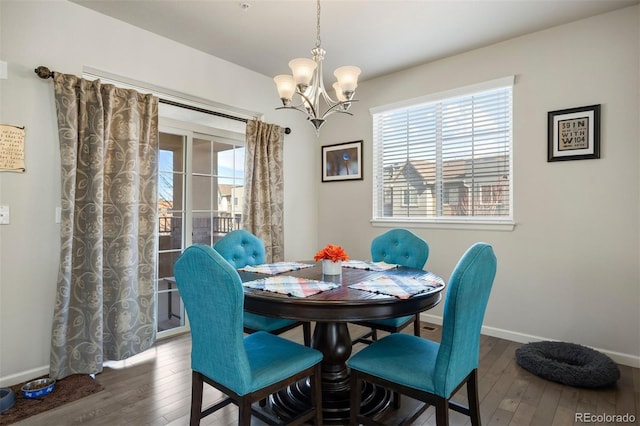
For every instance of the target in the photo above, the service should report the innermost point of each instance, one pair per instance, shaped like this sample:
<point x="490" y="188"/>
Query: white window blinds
<point x="448" y="158"/>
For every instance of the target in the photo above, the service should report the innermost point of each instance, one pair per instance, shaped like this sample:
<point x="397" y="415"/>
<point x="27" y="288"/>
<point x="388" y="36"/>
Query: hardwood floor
<point x="154" y="388"/>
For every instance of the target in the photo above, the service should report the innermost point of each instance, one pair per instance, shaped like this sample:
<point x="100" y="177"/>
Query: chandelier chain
<point x="318" y="24"/>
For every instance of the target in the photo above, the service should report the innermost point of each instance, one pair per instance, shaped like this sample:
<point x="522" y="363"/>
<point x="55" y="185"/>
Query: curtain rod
<point x="44" y="73"/>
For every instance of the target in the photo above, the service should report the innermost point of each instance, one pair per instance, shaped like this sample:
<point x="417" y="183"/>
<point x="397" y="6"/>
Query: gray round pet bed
<point x="568" y="363"/>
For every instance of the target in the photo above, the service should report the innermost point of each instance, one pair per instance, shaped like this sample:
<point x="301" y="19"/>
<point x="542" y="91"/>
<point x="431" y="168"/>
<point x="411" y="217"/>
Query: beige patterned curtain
<point x="104" y="307"/>
<point x="262" y="211"/>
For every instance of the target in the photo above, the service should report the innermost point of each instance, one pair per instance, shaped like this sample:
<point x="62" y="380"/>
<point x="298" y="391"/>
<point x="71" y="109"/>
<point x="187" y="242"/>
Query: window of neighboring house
<point x="445" y="157"/>
<point x="410" y="198"/>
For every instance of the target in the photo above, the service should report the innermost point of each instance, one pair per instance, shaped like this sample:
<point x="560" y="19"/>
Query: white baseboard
<point x="23" y="376"/>
<point x="620" y="358"/>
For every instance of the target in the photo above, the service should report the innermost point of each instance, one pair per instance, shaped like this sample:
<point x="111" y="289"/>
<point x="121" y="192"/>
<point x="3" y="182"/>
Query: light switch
<point x="4" y="215"/>
<point x="58" y="214"/>
<point x="3" y="70"/>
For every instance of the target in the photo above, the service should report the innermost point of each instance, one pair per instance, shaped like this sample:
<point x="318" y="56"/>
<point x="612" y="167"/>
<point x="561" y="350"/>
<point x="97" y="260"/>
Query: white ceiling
<point x="379" y="36"/>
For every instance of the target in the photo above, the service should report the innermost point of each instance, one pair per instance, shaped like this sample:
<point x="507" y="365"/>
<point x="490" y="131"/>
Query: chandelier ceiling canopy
<point x="307" y="83"/>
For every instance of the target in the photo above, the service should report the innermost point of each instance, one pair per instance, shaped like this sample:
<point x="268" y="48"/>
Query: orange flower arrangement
<point x="332" y="252"/>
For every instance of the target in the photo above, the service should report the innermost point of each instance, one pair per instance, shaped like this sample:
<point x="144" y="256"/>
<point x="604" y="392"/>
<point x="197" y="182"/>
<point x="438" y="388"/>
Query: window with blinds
<point x="445" y="157"/>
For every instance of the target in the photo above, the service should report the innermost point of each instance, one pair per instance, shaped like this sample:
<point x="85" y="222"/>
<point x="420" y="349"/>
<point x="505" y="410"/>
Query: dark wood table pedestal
<point x="334" y="341"/>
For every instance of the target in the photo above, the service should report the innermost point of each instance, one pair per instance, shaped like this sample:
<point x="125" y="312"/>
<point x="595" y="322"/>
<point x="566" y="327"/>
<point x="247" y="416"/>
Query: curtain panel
<point x="262" y="211"/>
<point x="105" y="299"/>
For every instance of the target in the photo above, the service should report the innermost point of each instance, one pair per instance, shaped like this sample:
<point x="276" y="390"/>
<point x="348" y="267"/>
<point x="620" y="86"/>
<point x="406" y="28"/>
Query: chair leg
<point x="355" y="399"/>
<point x="442" y="412"/>
<point x="416" y="325"/>
<point x="197" y="385"/>
<point x="306" y="333"/>
<point x="472" y="396"/>
<point x="374" y="334"/>
<point x="316" y="398"/>
<point x="396" y="400"/>
<point x="244" y="416"/>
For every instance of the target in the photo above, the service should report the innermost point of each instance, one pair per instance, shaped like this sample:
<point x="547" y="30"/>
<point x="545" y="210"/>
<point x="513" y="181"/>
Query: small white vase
<point x="331" y="268"/>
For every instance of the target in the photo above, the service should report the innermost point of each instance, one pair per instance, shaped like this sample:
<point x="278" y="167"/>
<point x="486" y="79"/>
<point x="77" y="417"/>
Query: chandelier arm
<point x="290" y="106"/>
<point x="300" y="106"/>
<point x="329" y="112"/>
<point x="311" y="106"/>
<point x="294" y="108"/>
<point x="318" y="81"/>
<point x="325" y="94"/>
<point x="328" y="99"/>
<point x="333" y="109"/>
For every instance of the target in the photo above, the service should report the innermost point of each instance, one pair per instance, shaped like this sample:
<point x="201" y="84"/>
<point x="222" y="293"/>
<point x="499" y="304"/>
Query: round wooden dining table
<point x="331" y="310"/>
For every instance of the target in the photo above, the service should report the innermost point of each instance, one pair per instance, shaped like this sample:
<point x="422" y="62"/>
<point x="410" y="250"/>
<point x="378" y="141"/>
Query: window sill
<point x="474" y="225"/>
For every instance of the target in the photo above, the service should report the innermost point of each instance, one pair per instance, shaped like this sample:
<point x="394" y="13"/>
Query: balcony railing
<point x="203" y="227"/>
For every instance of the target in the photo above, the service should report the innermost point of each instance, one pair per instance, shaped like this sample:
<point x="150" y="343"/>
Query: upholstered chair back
<point x="214" y="300"/>
<point x="466" y="301"/>
<point x="241" y="248"/>
<point x="400" y="246"/>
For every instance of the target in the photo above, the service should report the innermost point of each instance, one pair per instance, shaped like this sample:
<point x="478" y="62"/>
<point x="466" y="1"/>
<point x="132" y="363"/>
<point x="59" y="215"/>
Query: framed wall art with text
<point x="574" y="134"/>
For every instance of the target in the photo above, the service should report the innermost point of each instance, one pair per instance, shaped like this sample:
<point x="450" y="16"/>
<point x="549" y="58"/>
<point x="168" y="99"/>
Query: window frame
<point x="440" y="222"/>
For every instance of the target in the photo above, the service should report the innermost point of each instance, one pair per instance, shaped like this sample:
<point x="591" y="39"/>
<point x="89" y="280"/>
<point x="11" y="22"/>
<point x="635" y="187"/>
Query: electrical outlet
<point x="4" y="215"/>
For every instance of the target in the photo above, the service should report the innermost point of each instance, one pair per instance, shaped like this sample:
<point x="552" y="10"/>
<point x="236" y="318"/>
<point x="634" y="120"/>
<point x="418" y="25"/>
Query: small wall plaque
<point x="11" y="148"/>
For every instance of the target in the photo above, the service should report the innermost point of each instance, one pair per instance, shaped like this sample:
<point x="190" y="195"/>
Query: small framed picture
<point x="342" y="161"/>
<point x="574" y="134"/>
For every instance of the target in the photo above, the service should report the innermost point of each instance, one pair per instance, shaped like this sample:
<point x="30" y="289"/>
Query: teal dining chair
<point x="402" y="247"/>
<point x="428" y="371"/>
<point x="245" y="368"/>
<point x="241" y="248"/>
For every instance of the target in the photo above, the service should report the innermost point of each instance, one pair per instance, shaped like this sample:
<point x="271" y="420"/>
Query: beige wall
<point x="569" y="270"/>
<point x="66" y="37"/>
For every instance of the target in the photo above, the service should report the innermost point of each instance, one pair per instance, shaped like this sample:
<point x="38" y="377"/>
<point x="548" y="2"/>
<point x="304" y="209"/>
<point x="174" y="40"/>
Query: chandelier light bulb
<point x="339" y="94"/>
<point x="302" y="69"/>
<point x="347" y="78"/>
<point x="286" y="87"/>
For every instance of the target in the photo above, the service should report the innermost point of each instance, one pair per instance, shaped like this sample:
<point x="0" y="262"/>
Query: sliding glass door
<point x="201" y="182"/>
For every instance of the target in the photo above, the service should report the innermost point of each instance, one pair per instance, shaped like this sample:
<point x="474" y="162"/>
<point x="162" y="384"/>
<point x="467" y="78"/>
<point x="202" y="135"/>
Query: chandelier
<point x="306" y="82"/>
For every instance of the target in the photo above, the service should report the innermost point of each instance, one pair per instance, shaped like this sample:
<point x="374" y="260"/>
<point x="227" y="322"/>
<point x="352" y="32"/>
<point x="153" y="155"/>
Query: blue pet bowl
<point x="7" y="399"/>
<point x="38" y="388"/>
